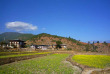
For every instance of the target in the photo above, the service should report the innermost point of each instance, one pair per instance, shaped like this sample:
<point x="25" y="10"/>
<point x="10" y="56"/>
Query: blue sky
<point x="83" y="20"/>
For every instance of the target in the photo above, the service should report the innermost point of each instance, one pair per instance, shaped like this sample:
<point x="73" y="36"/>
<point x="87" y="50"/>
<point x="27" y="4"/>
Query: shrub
<point x="58" y="44"/>
<point x="97" y="41"/>
<point x="53" y="40"/>
<point x="87" y="47"/>
<point x="42" y="39"/>
<point x="68" y="49"/>
<point x="105" y="43"/>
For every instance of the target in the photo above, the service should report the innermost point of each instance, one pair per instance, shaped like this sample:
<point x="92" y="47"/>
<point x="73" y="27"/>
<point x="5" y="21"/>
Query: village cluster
<point x="21" y="44"/>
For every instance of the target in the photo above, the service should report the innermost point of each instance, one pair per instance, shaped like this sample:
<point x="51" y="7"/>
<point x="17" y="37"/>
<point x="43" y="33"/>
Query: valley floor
<point x="49" y="62"/>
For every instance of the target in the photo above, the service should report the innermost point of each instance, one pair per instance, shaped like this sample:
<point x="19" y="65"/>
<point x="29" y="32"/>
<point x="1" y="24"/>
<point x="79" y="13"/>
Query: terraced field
<point x="8" y="57"/>
<point x="25" y="54"/>
<point x="41" y="65"/>
<point x="49" y="62"/>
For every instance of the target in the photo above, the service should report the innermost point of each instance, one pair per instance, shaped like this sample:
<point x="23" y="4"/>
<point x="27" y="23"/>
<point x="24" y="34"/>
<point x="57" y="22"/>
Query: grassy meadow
<point x="97" y="61"/>
<point x="51" y="64"/>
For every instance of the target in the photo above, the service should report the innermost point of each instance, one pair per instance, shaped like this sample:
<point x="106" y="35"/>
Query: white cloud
<point x="20" y="26"/>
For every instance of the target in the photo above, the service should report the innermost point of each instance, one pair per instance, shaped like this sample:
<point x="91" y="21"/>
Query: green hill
<point x="14" y="35"/>
<point x="54" y="36"/>
<point x="48" y="39"/>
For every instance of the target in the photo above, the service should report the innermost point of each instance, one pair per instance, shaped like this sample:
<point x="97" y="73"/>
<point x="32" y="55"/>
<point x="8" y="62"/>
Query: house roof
<point x="16" y="40"/>
<point x="49" y="45"/>
<point x="63" y="44"/>
<point x="41" y="45"/>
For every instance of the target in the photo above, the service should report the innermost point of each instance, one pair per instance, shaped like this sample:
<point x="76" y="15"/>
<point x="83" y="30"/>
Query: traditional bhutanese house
<point x="42" y="47"/>
<point x="63" y="46"/>
<point x="17" y="43"/>
<point x="4" y="45"/>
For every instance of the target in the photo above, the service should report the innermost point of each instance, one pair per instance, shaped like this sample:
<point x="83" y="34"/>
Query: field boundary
<point x="15" y="59"/>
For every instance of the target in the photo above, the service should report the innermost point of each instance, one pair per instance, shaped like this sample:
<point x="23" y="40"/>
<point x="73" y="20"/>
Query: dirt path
<point x="76" y="68"/>
<point x="96" y="71"/>
<point x="89" y="71"/>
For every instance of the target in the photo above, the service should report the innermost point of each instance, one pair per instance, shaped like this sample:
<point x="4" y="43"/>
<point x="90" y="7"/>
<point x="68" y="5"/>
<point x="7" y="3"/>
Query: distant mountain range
<point x="14" y="35"/>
